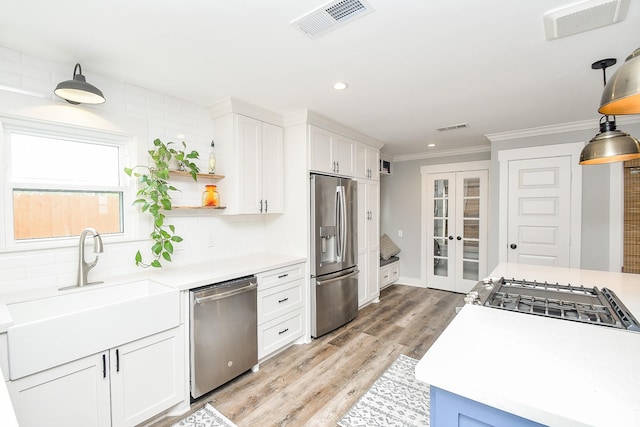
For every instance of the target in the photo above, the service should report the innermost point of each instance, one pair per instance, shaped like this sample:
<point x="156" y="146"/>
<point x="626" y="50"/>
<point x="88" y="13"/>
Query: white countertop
<point x="192" y="276"/>
<point x="552" y="371"/>
<point x="182" y="277"/>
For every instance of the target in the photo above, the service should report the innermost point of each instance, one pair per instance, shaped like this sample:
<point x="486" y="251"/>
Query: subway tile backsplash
<point x="207" y="236"/>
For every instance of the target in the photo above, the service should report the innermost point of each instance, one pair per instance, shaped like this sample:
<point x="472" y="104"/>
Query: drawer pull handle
<point x="282" y="332"/>
<point x="283" y="300"/>
<point x="283" y="275"/>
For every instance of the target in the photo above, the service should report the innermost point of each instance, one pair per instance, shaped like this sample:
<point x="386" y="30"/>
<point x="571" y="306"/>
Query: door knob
<point x="513" y="246"/>
<point x="458" y="238"/>
<point x="450" y="237"/>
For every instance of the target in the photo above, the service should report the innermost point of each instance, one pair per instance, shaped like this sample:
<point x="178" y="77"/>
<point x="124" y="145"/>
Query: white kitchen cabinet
<point x="389" y="273"/>
<point x="456" y="224"/>
<point x="250" y="155"/>
<point x="331" y="153"/>
<point x="368" y="241"/>
<point x="367" y="162"/>
<point x="281" y="318"/>
<point x="118" y="387"/>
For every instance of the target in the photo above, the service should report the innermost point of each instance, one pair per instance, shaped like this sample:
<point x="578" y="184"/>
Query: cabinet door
<point x="320" y="156"/>
<point x="272" y="169"/>
<point x="343" y="151"/>
<point x="147" y="377"/>
<point x="373" y="163"/>
<point x="373" y="206"/>
<point x="368" y="241"/>
<point x="367" y="159"/>
<point x="249" y="146"/>
<point x="75" y="394"/>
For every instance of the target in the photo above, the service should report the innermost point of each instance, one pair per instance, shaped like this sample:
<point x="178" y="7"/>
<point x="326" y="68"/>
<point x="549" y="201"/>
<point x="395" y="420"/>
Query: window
<point x="59" y="183"/>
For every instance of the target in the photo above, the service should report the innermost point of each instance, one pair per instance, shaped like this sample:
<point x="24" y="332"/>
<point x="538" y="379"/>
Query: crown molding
<point x="559" y="128"/>
<point x="444" y="153"/>
<point x="309" y="117"/>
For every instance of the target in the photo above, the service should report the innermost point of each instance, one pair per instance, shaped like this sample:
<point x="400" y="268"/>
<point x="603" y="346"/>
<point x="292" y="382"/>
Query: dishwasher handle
<point x="235" y="291"/>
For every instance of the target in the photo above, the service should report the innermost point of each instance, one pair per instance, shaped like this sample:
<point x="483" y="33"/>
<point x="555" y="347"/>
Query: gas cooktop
<point x="576" y="303"/>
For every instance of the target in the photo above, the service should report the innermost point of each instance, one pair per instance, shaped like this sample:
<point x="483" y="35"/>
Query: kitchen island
<point x="550" y="371"/>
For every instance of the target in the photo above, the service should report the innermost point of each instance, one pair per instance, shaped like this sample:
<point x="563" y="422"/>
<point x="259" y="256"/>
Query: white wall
<point x="143" y="115"/>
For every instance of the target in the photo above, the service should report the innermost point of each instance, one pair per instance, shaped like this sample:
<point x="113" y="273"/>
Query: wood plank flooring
<point x="315" y="384"/>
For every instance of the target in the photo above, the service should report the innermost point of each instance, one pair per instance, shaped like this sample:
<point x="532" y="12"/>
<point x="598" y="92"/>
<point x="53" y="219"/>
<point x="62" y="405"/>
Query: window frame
<point x="126" y="144"/>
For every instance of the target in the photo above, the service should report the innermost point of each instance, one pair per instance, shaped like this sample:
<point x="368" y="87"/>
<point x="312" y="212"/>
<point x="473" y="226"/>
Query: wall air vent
<point x="330" y="16"/>
<point x="453" y="127"/>
<point x="583" y="16"/>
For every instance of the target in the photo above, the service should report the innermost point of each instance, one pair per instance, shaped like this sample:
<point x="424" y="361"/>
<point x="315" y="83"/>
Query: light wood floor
<point x="315" y="384"/>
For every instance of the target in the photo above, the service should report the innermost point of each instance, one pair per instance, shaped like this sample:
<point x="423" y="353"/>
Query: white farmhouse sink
<point x="50" y="331"/>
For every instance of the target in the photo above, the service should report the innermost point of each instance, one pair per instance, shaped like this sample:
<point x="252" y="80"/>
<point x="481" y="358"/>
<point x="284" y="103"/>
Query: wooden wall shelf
<point x="197" y="207"/>
<point x="199" y="175"/>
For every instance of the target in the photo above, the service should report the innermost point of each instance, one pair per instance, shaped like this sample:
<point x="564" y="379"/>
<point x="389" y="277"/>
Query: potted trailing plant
<point x="154" y="196"/>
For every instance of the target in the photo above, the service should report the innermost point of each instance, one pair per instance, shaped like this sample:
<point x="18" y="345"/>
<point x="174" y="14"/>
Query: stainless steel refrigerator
<point x="334" y="253"/>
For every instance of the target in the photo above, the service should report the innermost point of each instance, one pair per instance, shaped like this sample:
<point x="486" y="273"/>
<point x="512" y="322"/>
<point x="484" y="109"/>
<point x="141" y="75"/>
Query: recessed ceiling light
<point x="340" y="86"/>
<point x="431" y="145"/>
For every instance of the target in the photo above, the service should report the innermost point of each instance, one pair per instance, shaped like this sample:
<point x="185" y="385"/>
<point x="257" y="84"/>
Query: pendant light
<point x="622" y="94"/>
<point x="610" y="145"/>
<point x="78" y="91"/>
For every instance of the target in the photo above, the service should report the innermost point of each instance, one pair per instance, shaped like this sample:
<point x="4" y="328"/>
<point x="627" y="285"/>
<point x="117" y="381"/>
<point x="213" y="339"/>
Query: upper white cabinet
<point x="260" y="164"/>
<point x="250" y="155"/>
<point x="331" y="153"/>
<point x="367" y="161"/>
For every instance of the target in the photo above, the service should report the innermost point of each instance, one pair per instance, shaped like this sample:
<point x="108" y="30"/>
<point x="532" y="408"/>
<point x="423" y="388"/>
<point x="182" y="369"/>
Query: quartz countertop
<point x="182" y="278"/>
<point x="552" y="371"/>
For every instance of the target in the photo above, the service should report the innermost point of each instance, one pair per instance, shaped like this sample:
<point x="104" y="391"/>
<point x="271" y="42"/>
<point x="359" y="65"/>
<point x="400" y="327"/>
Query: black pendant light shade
<point x="78" y="91"/>
<point x="622" y="94"/>
<point x="610" y="145"/>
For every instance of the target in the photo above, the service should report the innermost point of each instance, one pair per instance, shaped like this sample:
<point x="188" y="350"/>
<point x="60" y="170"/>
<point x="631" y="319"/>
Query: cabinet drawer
<point x="274" y="335"/>
<point x="279" y="300"/>
<point x="389" y="274"/>
<point x="272" y="278"/>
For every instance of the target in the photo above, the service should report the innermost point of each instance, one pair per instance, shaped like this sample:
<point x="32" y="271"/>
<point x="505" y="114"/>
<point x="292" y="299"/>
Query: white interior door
<point x="539" y="211"/>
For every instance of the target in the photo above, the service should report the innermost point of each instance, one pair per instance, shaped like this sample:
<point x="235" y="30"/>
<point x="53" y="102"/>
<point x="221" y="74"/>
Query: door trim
<point x="426" y="204"/>
<point x="572" y="149"/>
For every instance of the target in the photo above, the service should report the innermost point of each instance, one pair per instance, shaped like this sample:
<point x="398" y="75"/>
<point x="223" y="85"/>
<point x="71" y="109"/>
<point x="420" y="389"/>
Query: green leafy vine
<point x="154" y="196"/>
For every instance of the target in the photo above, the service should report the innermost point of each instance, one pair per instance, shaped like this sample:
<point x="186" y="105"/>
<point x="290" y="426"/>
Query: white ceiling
<point x="412" y="65"/>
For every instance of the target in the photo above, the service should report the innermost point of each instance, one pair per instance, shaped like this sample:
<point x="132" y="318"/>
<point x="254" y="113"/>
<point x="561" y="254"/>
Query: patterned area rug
<point x="207" y="416"/>
<point x="396" y="398"/>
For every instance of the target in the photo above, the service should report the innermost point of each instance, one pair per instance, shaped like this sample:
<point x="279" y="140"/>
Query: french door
<point x="456" y="229"/>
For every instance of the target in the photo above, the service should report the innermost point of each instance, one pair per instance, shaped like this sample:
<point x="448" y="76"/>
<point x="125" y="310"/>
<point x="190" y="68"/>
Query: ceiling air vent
<point x="583" y="16"/>
<point x="330" y="16"/>
<point x="454" y="127"/>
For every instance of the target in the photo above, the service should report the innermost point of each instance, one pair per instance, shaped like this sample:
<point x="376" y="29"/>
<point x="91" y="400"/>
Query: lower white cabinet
<point x="280" y="308"/>
<point x="122" y="386"/>
<point x="389" y="274"/>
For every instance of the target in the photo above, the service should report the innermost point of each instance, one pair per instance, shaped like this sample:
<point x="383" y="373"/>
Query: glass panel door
<point x="441" y="227"/>
<point x="456" y="232"/>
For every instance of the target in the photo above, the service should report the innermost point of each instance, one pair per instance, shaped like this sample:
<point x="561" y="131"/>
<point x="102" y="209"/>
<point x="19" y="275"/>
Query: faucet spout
<point x="83" y="265"/>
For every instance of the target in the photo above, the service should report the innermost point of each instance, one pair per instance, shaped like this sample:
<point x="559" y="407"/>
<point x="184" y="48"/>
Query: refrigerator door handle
<point x="341" y="222"/>
<point x="335" y="279"/>
<point x="339" y="213"/>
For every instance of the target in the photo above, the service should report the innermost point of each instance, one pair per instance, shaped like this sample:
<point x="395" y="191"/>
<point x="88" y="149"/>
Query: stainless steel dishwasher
<point x="223" y="332"/>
